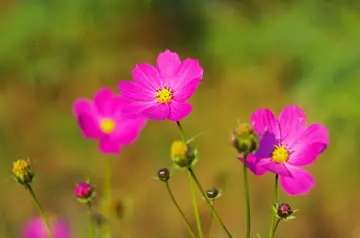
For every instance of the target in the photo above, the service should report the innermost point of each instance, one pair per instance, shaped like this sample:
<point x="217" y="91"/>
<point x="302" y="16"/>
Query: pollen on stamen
<point x="107" y="125"/>
<point x="280" y="154"/>
<point x="164" y="95"/>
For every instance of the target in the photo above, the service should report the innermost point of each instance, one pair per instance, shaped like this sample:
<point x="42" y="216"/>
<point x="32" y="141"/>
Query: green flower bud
<point x="244" y="139"/>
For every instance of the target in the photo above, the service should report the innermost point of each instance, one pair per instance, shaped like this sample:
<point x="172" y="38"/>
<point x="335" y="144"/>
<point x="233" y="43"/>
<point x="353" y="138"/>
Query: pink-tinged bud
<point x="35" y="228"/>
<point x="84" y="192"/>
<point x="284" y="210"/>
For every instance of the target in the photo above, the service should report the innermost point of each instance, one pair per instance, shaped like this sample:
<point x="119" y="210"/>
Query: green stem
<point x="195" y="205"/>
<point x="210" y="222"/>
<point x="272" y="230"/>
<point x="212" y="209"/>
<point x="108" y="178"/>
<point x="191" y="231"/>
<point x="247" y="199"/>
<point x="41" y="212"/>
<point x="183" y="137"/>
<point x="108" y="190"/>
<point x="92" y="221"/>
<point x="276" y="226"/>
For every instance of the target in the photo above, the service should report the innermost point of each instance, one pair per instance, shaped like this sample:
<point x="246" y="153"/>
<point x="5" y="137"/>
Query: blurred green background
<point x="255" y="53"/>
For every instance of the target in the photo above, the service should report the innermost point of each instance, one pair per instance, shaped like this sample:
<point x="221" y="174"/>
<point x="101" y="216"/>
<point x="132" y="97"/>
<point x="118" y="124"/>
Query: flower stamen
<point x="280" y="154"/>
<point x="164" y="95"/>
<point x="107" y="125"/>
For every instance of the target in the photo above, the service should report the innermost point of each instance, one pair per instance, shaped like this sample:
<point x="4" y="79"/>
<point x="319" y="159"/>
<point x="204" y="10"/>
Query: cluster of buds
<point x="244" y="139"/>
<point x="183" y="155"/>
<point x="284" y="211"/>
<point x="22" y="172"/>
<point x="85" y="192"/>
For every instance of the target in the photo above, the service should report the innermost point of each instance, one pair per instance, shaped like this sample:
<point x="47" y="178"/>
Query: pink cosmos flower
<point x="161" y="92"/>
<point x="102" y="119"/>
<point x="35" y="228"/>
<point x="287" y="145"/>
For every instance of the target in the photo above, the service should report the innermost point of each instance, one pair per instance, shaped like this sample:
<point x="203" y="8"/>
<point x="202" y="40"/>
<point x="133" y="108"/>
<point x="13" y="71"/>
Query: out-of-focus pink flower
<point x="287" y="145"/>
<point x="161" y="92"/>
<point x="35" y="228"/>
<point x="102" y="119"/>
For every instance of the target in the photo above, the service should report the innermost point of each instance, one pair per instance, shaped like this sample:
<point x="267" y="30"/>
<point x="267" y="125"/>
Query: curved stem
<point x="276" y="226"/>
<point x="210" y="222"/>
<point x="272" y="230"/>
<point x="212" y="209"/>
<point x="41" y="211"/>
<point x="92" y="221"/>
<point x="191" y="231"/>
<point x="247" y="199"/>
<point x="196" y="208"/>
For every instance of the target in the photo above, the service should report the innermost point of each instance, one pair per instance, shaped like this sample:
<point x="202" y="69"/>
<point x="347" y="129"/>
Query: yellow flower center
<point x="178" y="149"/>
<point x="280" y="154"/>
<point x="21" y="168"/>
<point x="164" y="95"/>
<point x="107" y="125"/>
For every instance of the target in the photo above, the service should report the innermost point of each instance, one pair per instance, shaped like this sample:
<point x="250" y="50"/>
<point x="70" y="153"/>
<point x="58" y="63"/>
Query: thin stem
<point x="41" y="211"/>
<point x="276" y="226"/>
<point x="192" y="188"/>
<point x="183" y="137"/>
<point x="272" y="230"/>
<point x="247" y="199"/>
<point x="92" y="221"/>
<point x="108" y="178"/>
<point x="212" y="209"/>
<point x="210" y="222"/>
<point x="108" y="189"/>
<point x="191" y="231"/>
<point x="195" y="205"/>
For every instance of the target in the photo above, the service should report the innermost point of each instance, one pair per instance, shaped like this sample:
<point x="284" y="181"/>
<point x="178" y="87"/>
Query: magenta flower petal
<point x="292" y="123"/>
<point x="299" y="183"/>
<point x="251" y="163"/>
<point x="311" y="143"/>
<point x="89" y="125"/>
<point x="147" y="76"/>
<point x="264" y="120"/>
<point x="82" y="106"/>
<point x="129" y="131"/>
<point x="277" y="168"/>
<point x="109" y="145"/>
<point x="186" y="91"/>
<point x="157" y="111"/>
<point x="168" y="64"/>
<point x="189" y="70"/>
<point x="101" y="99"/>
<point x="179" y="110"/>
<point x="136" y="109"/>
<point x="136" y="91"/>
<point x="35" y="228"/>
<point x="266" y="145"/>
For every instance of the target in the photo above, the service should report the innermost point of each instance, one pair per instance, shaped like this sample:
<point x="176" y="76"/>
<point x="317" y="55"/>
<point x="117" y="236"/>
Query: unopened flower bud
<point x="22" y="172"/>
<point x="163" y="174"/>
<point x="84" y="192"/>
<point x="213" y="193"/>
<point x="244" y="139"/>
<point x="284" y="210"/>
<point x="182" y="154"/>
